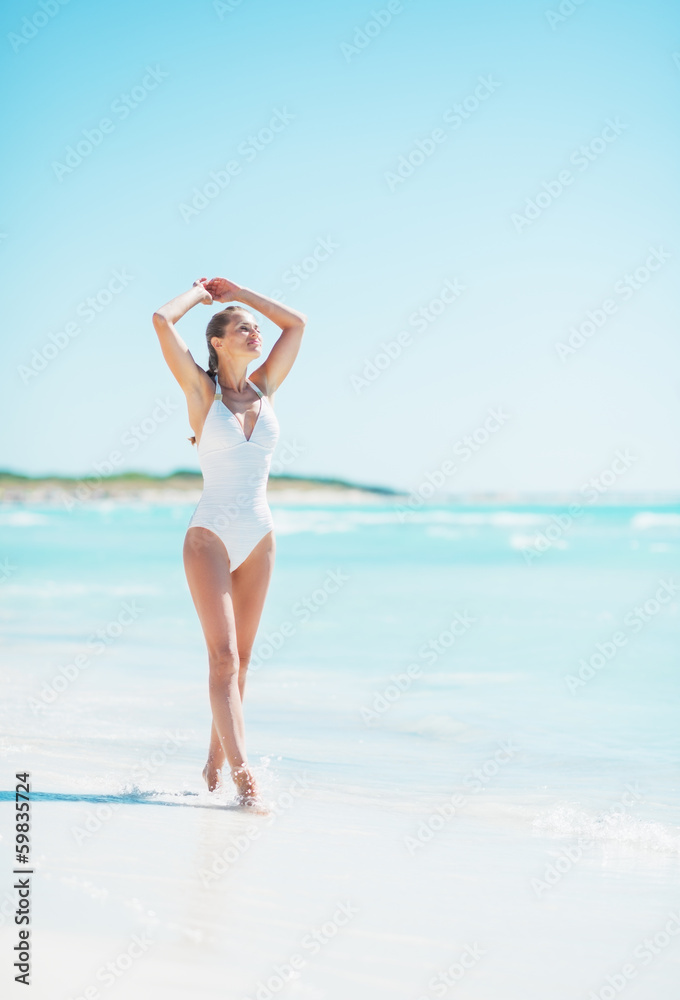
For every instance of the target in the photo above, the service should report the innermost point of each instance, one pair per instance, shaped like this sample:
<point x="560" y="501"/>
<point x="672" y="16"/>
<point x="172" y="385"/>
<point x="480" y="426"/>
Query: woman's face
<point x="241" y="338"/>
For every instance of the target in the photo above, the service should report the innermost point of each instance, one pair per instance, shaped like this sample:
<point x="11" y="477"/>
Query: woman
<point x="229" y="546"/>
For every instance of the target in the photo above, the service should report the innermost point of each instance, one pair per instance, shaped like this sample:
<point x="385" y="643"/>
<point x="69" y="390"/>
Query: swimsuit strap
<point x="258" y="391"/>
<point x="218" y="388"/>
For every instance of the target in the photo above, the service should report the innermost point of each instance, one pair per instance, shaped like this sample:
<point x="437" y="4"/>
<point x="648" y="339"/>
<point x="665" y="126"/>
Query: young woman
<point x="229" y="546"/>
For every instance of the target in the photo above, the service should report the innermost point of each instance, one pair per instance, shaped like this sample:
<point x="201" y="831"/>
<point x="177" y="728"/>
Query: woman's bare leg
<point x="208" y="574"/>
<point x="249" y="583"/>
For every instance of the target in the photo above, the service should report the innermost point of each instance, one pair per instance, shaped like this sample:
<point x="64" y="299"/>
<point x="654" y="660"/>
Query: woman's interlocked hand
<point x="207" y="297"/>
<point x="222" y="290"/>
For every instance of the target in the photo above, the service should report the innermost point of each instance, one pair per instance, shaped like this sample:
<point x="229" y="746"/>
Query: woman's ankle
<point x="242" y="776"/>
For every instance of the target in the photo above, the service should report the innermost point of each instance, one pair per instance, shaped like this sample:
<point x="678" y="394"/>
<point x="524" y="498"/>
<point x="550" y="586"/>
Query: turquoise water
<point x="363" y="593"/>
<point x="404" y="670"/>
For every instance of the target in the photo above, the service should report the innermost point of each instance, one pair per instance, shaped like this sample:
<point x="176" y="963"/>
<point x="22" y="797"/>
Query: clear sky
<point x="460" y="186"/>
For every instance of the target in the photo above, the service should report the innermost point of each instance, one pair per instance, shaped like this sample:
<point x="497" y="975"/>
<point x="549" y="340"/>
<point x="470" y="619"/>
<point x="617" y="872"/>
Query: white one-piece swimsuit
<point x="235" y="471"/>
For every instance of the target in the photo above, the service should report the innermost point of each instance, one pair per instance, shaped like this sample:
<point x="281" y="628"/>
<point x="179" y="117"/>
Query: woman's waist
<point x="241" y="489"/>
<point x="237" y="506"/>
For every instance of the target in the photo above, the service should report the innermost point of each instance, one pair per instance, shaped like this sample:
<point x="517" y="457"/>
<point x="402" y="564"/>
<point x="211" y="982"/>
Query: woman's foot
<point x="247" y="792"/>
<point x="212" y="776"/>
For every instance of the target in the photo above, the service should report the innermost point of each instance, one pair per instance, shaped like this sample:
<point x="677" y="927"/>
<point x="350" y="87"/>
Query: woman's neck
<point x="232" y="377"/>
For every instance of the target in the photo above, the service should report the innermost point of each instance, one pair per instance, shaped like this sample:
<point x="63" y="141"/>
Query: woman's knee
<point x="224" y="662"/>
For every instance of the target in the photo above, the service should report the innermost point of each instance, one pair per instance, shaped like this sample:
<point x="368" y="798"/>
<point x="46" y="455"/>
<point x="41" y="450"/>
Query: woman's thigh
<point x="206" y="564"/>
<point x="250" y="583"/>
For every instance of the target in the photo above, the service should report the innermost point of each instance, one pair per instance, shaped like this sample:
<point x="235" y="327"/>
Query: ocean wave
<point x="501" y="518"/>
<point x="522" y="541"/>
<point x="322" y="521"/>
<point x="518" y="541"/>
<point x="23" y="519"/>
<point x="496" y="519"/>
<point x="58" y="588"/>
<point x="649" y="519"/>
<point x="319" y="522"/>
<point x="435" y="727"/>
<point x="442" y="531"/>
<point x="569" y="820"/>
<point x="131" y="794"/>
<point x="481" y="677"/>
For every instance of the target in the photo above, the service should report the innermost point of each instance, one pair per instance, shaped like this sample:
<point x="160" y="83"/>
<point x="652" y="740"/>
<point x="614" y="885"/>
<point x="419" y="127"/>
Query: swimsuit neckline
<point x="219" y="399"/>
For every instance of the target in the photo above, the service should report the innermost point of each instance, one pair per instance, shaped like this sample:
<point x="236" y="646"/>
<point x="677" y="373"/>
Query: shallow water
<point x="465" y="721"/>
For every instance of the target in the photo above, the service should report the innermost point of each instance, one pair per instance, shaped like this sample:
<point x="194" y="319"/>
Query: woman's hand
<point x="222" y="290"/>
<point x="207" y="297"/>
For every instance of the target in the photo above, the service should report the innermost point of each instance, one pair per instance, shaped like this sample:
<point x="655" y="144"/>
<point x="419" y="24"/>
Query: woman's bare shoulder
<point x="259" y="379"/>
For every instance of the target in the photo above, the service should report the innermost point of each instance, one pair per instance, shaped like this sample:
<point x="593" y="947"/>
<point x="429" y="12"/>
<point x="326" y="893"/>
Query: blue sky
<point x="484" y="106"/>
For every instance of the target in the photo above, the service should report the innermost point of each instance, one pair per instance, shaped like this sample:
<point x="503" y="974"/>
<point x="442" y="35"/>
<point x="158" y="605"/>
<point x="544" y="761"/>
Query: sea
<point x="464" y="719"/>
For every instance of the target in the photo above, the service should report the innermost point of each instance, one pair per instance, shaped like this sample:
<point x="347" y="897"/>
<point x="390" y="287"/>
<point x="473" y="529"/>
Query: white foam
<point x="435" y="726"/>
<point x="517" y="518"/>
<point x="484" y="677"/>
<point x="441" y="531"/>
<point x="323" y="521"/>
<point x="649" y="519"/>
<point x="89" y="888"/>
<point x="571" y="820"/>
<point x="23" y="519"/>
<point x="54" y="588"/>
<point x="500" y="518"/>
<point x="520" y="542"/>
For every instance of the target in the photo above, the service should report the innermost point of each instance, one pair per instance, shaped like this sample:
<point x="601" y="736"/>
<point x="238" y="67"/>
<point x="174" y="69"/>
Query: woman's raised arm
<point x="176" y="353"/>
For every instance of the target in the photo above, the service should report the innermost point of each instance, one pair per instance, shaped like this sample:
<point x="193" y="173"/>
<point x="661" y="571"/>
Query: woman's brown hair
<point x="216" y="328"/>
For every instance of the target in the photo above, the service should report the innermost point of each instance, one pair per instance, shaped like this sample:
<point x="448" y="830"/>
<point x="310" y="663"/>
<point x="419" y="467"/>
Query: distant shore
<point x="184" y="486"/>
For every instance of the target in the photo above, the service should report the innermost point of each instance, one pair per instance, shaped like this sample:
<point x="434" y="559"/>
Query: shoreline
<point x="186" y="486"/>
